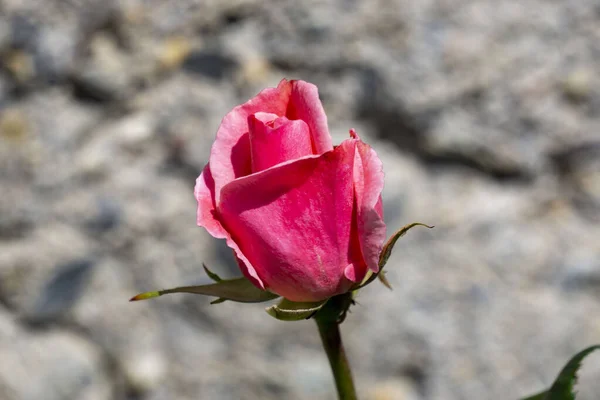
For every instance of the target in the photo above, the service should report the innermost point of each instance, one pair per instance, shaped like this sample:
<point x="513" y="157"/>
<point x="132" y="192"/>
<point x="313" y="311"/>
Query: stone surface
<point x="55" y="364"/>
<point x="484" y="113"/>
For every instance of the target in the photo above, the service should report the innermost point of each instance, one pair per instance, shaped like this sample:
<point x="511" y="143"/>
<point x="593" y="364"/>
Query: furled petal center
<point x="275" y="140"/>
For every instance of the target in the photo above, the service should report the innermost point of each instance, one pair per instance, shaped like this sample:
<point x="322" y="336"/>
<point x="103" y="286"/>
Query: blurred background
<point x="484" y="112"/>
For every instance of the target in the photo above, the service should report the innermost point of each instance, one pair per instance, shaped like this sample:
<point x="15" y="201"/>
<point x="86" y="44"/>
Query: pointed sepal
<point x="239" y="289"/>
<point x="145" y="296"/>
<point x="211" y="274"/>
<point x="563" y="386"/>
<point x="389" y="246"/>
<point x="383" y="279"/>
<point x="287" y="310"/>
<point x="386" y="252"/>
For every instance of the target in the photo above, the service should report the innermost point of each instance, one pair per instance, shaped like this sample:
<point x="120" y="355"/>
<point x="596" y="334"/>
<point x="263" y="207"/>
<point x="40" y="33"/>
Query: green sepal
<point x="211" y="274"/>
<point x="239" y="289"/>
<point x="389" y="246"/>
<point x="287" y="310"/>
<point x="383" y="279"/>
<point x="563" y="386"/>
<point x="386" y="252"/>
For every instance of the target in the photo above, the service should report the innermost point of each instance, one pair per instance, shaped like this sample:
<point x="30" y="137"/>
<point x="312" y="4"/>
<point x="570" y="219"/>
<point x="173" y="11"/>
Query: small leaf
<point x="562" y="388"/>
<point x="288" y="310"/>
<point x="387" y="249"/>
<point x="384" y="280"/>
<point x="218" y="301"/>
<point x="211" y="274"/>
<point x="239" y="289"/>
<point x="386" y="252"/>
<point x="145" y="296"/>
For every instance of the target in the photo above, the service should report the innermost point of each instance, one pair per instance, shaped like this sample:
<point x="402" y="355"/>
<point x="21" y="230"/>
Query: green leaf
<point x="239" y="289"/>
<point x="387" y="249"/>
<point x="562" y="388"/>
<point x="386" y="252"/>
<point x="211" y="274"/>
<point x="288" y="310"/>
<point x="145" y="296"/>
<point x="383" y="279"/>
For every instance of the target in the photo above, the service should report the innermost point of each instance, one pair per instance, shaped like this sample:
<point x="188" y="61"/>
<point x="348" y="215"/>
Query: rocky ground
<point x="486" y="114"/>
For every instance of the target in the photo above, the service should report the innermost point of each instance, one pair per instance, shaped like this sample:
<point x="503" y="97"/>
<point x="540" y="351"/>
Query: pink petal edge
<point x="282" y="141"/>
<point x="230" y="153"/>
<point x="306" y="105"/>
<point x="369" y="181"/>
<point x="206" y="217"/>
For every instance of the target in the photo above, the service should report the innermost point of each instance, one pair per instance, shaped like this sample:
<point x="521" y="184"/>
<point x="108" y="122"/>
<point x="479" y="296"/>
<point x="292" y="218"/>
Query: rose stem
<point x="328" y="323"/>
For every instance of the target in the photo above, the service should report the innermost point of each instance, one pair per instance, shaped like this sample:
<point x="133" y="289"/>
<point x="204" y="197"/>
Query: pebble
<point x="173" y="52"/>
<point x="145" y="372"/>
<point x="577" y="86"/>
<point x="61" y="291"/>
<point x="134" y="131"/>
<point x="13" y="125"/>
<point x="51" y="366"/>
<point x="105" y="76"/>
<point x="399" y="389"/>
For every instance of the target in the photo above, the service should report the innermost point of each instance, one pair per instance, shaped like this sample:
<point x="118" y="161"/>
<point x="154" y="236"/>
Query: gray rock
<point x="210" y="64"/>
<point x="56" y="52"/>
<point x="29" y="266"/>
<point x="580" y="169"/>
<point x="108" y="216"/>
<point x="61" y="292"/>
<point x="105" y="76"/>
<point x="71" y="370"/>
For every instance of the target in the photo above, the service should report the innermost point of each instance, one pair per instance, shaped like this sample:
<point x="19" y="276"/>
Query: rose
<point x="305" y="219"/>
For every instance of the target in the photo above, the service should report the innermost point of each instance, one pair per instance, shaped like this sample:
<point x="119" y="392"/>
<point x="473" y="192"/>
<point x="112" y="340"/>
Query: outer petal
<point x="356" y="270"/>
<point x="379" y="207"/>
<point x="368" y="185"/>
<point x="230" y="153"/>
<point x="305" y="105"/>
<point x="208" y="218"/>
<point x="295" y="226"/>
<point x="204" y="191"/>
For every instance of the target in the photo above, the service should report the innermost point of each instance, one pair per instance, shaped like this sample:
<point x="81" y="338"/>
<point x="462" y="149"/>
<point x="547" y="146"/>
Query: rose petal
<point x="247" y="269"/>
<point x="358" y="269"/>
<point x="204" y="192"/>
<point x="379" y="207"/>
<point x="305" y="105"/>
<point x="368" y="185"/>
<point x="278" y="141"/>
<point x="350" y="273"/>
<point x="263" y="117"/>
<point x="293" y="222"/>
<point x="207" y="217"/>
<point x="230" y="153"/>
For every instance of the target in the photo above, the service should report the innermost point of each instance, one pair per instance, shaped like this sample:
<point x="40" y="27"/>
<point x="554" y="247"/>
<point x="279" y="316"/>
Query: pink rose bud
<point x="305" y="220"/>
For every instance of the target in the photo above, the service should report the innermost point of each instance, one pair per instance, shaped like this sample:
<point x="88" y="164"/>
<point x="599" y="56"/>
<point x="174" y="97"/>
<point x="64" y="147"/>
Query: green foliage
<point x="288" y="310"/>
<point x="386" y="252"/>
<point x="211" y="274"/>
<point x="563" y="386"/>
<point x="239" y="289"/>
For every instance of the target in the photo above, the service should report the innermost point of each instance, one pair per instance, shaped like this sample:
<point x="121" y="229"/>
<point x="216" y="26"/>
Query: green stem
<point x="328" y="323"/>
